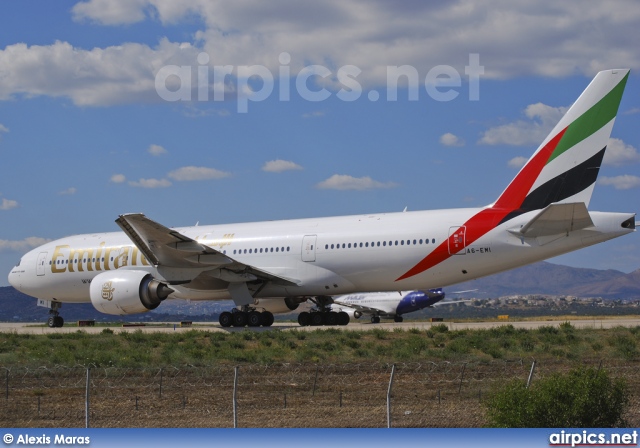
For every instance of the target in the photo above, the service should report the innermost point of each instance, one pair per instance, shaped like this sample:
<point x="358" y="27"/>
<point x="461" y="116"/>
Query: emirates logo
<point x="107" y="291"/>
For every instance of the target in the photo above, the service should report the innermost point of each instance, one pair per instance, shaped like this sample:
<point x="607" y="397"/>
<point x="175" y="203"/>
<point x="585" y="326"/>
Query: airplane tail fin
<point x="565" y="166"/>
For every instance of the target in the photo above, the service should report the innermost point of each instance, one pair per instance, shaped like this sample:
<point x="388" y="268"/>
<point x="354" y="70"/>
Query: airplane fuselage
<point x="324" y="256"/>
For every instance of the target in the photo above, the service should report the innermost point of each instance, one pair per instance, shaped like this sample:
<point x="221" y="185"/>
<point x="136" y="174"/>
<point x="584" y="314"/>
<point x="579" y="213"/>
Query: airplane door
<point x="42" y="259"/>
<point x="457" y="240"/>
<point x="309" y="248"/>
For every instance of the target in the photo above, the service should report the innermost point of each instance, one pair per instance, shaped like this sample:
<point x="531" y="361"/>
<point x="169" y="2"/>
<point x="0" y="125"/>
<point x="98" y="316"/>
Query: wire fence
<point x="428" y="394"/>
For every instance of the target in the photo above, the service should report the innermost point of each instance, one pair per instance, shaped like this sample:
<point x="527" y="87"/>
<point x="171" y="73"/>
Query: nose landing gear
<point x="55" y="320"/>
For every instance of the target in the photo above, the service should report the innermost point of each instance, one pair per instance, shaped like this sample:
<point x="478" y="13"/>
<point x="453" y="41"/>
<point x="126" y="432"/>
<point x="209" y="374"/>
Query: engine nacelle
<point x="127" y="292"/>
<point x="278" y="305"/>
<point x="350" y="311"/>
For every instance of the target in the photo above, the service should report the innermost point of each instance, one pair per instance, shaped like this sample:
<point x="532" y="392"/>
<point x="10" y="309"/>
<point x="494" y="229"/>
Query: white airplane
<point x="541" y="214"/>
<point x="388" y="305"/>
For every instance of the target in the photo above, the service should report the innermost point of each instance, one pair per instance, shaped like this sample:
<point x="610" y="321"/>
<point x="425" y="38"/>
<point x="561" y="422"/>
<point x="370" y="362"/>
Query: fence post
<point x="315" y="381"/>
<point x="464" y="366"/>
<point x="393" y="372"/>
<point x="86" y="401"/>
<point x="533" y="367"/>
<point x="235" y="397"/>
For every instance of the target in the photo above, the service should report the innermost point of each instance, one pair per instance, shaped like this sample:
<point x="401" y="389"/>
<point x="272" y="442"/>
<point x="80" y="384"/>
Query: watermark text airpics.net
<point x="253" y="83"/>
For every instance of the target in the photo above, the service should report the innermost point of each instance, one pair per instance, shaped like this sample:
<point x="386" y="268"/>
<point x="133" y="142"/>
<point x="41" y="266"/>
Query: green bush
<point x="581" y="398"/>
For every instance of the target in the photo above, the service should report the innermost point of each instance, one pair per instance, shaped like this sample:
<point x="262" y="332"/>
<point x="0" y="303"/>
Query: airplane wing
<point x="163" y="246"/>
<point x="451" y="302"/>
<point x="362" y="308"/>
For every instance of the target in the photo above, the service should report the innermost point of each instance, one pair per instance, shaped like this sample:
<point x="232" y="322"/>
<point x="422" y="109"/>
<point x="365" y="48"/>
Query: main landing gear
<point x="246" y="317"/>
<point x="323" y="314"/>
<point x="55" y="320"/>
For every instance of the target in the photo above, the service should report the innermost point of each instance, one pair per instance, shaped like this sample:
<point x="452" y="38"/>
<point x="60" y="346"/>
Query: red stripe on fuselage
<point x="484" y="221"/>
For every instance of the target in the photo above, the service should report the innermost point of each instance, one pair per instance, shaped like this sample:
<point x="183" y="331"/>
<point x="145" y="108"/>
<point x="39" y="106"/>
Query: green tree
<point x="581" y="398"/>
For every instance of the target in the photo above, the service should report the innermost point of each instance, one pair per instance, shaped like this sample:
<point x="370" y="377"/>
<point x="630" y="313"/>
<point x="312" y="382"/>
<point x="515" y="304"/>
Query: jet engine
<point x="278" y="305"/>
<point x="127" y="292"/>
<point x="350" y="311"/>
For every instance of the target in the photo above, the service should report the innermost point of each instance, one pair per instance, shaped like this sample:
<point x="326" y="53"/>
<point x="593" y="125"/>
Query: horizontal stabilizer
<point x="556" y="219"/>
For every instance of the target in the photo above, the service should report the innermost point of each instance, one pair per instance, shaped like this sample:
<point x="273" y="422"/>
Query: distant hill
<point x="539" y="278"/>
<point x="626" y="286"/>
<point x="554" y="279"/>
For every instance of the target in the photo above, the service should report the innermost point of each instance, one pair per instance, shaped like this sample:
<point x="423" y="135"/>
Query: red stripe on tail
<point x="484" y="221"/>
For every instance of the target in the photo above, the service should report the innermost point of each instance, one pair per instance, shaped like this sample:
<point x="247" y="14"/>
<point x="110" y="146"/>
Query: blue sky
<point x="85" y="134"/>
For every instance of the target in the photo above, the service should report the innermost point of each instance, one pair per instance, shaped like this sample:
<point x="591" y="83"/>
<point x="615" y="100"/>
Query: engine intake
<point x="127" y="292"/>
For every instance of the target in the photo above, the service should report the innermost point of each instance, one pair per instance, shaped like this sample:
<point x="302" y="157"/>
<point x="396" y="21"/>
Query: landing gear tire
<point x="55" y="322"/>
<point x="225" y="319"/>
<point x="375" y="319"/>
<point x="332" y="318"/>
<point x="317" y="319"/>
<point x="239" y="319"/>
<point x="266" y="318"/>
<point x="254" y="319"/>
<point x="304" y="319"/>
<point x="343" y="318"/>
<point x="398" y="318"/>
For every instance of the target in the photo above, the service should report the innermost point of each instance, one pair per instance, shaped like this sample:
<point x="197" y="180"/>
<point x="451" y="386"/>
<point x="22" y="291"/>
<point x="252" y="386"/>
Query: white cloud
<point x="449" y="139"/>
<point x="157" y="150"/>
<point x="22" y="245"/>
<point x="618" y="153"/>
<point x="345" y="182"/>
<point x="151" y="183"/>
<point x="118" y="178"/>
<point x="278" y="166"/>
<point x="107" y="12"/>
<point x="68" y="191"/>
<point x="3" y="128"/>
<point x="511" y="38"/>
<point x="517" y="162"/>
<point x="96" y="77"/>
<point x="8" y="204"/>
<point x="624" y="182"/>
<point x="188" y="173"/>
<point x="542" y="119"/>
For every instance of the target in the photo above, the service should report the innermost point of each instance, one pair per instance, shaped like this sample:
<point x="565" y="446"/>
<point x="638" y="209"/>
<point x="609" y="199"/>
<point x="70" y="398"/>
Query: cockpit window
<point x="18" y="263"/>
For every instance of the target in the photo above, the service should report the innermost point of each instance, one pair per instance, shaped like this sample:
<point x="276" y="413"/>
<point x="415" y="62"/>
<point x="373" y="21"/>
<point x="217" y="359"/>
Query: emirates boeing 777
<point x="266" y="267"/>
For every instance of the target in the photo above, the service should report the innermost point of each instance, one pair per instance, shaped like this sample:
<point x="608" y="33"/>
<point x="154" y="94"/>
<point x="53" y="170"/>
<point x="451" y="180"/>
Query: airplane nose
<point x="12" y="279"/>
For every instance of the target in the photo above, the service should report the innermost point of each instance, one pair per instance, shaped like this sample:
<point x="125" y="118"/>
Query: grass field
<point x="112" y="348"/>
<point x="320" y="378"/>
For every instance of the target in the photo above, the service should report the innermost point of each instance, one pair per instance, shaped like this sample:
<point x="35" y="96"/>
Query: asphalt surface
<point x="33" y="328"/>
